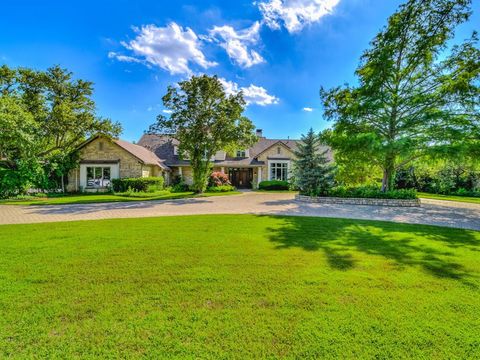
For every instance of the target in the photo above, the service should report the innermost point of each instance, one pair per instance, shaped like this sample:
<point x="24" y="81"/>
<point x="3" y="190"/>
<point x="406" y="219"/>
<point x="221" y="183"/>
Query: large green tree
<point x="204" y="119"/>
<point x="313" y="173"/>
<point x="44" y="116"/>
<point x="417" y="93"/>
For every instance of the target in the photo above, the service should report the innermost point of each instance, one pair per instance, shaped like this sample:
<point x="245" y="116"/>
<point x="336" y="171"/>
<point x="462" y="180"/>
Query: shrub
<point x="465" y="192"/>
<point x="274" y="185"/>
<point x="221" y="188"/>
<point x="371" y="192"/>
<point x="178" y="185"/>
<point x="218" y="178"/>
<point x="147" y="184"/>
<point x="141" y="194"/>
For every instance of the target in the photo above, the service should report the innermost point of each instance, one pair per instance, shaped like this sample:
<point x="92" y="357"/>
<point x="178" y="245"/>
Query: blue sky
<point x="279" y="51"/>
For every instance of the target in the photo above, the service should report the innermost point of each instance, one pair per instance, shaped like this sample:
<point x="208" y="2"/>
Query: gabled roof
<point x="141" y="153"/>
<point x="163" y="146"/>
<point x="144" y="155"/>
<point x="264" y="144"/>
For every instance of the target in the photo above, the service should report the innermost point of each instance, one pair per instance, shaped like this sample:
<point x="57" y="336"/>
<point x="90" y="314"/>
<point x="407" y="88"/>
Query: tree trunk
<point x="200" y="176"/>
<point x="388" y="174"/>
<point x="63" y="184"/>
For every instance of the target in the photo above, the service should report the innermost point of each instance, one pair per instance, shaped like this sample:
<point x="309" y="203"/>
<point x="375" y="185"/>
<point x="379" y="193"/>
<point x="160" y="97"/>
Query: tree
<point x="416" y="95"/>
<point x="313" y="174"/>
<point x="204" y="120"/>
<point x="44" y="116"/>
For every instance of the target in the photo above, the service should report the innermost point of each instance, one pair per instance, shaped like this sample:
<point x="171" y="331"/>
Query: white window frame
<point x="114" y="173"/>
<point x="270" y="162"/>
<point x="245" y="151"/>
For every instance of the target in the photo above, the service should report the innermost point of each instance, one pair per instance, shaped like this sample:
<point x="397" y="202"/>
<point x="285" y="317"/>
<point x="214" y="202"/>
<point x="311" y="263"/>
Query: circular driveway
<point x="432" y="212"/>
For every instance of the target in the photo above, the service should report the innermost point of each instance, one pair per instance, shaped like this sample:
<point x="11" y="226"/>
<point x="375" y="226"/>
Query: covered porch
<point x="244" y="177"/>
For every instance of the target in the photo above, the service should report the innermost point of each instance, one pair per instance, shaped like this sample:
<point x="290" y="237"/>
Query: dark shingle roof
<point x="163" y="147"/>
<point x="141" y="153"/>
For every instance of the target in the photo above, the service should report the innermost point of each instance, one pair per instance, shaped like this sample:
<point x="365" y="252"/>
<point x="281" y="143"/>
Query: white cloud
<point x="308" y="109"/>
<point x="236" y="43"/>
<point x="119" y="57"/>
<point x="295" y="14"/>
<point x="167" y="111"/>
<point x="252" y="94"/>
<point x="172" y="48"/>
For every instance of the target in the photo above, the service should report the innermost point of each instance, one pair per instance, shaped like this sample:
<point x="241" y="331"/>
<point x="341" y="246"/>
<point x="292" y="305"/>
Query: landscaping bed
<point x="363" y="195"/>
<point x="359" y="201"/>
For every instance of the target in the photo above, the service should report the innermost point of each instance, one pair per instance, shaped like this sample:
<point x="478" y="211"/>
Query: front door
<point x="241" y="178"/>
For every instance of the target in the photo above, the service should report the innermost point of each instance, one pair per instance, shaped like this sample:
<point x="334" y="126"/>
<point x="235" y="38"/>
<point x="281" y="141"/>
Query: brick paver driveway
<point x="435" y="212"/>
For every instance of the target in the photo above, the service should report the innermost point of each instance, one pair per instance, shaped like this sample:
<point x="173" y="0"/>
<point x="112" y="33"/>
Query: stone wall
<point x="102" y="149"/>
<point x="359" y="201"/>
<point x="272" y="152"/>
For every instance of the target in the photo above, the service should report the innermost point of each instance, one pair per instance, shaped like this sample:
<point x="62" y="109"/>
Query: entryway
<point x="241" y="178"/>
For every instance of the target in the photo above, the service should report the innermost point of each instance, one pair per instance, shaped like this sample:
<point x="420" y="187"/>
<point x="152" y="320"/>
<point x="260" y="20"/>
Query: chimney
<point x="259" y="133"/>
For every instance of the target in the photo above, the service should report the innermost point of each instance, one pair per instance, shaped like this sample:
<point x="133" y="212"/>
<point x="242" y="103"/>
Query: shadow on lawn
<point x="431" y="248"/>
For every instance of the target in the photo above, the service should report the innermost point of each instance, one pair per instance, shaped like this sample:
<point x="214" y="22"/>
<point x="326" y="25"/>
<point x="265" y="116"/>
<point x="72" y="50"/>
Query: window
<point x="98" y="176"/>
<point x="279" y="171"/>
<point x="175" y="150"/>
<point x="279" y="150"/>
<point x="241" y="153"/>
<point x="100" y="146"/>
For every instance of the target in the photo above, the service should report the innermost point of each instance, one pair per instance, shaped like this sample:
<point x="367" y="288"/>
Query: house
<point x="102" y="159"/>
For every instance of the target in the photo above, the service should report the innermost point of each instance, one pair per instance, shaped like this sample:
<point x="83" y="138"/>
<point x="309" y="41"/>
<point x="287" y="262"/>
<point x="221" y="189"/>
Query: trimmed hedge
<point x="221" y="188"/>
<point x="371" y="192"/>
<point x="146" y="184"/>
<point x="274" y="185"/>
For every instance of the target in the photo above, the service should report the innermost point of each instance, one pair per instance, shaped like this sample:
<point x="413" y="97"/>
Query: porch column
<point x="222" y="170"/>
<point x="180" y="171"/>
<point x="259" y="175"/>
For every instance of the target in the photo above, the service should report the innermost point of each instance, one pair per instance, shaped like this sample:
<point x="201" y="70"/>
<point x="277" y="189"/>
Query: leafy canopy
<point x="204" y="119"/>
<point x="417" y="94"/>
<point x="44" y="116"/>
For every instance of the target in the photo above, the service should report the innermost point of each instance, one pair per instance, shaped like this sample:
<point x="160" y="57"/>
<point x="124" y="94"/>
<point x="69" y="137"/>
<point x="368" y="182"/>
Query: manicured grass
<point x="103" y="198"/>
<point x="239" y="286"/>
<point x="467" y="199"/>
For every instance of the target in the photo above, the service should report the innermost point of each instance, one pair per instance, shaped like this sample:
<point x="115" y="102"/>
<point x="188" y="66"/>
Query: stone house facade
<point x="102" y="159"/>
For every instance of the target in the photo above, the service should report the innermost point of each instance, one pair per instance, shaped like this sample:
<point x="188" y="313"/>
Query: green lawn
<point x="239" y="286"/>
<point x="467" y="199"/>
<point x="103" y="198"/>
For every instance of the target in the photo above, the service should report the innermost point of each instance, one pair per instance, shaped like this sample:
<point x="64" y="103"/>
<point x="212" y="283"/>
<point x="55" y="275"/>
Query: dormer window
<point x="241" y="153"/>
<point x="175" y="150"/>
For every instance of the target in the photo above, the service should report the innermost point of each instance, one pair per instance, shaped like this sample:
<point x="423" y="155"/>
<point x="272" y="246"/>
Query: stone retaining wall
<point x="359" y="201"/>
